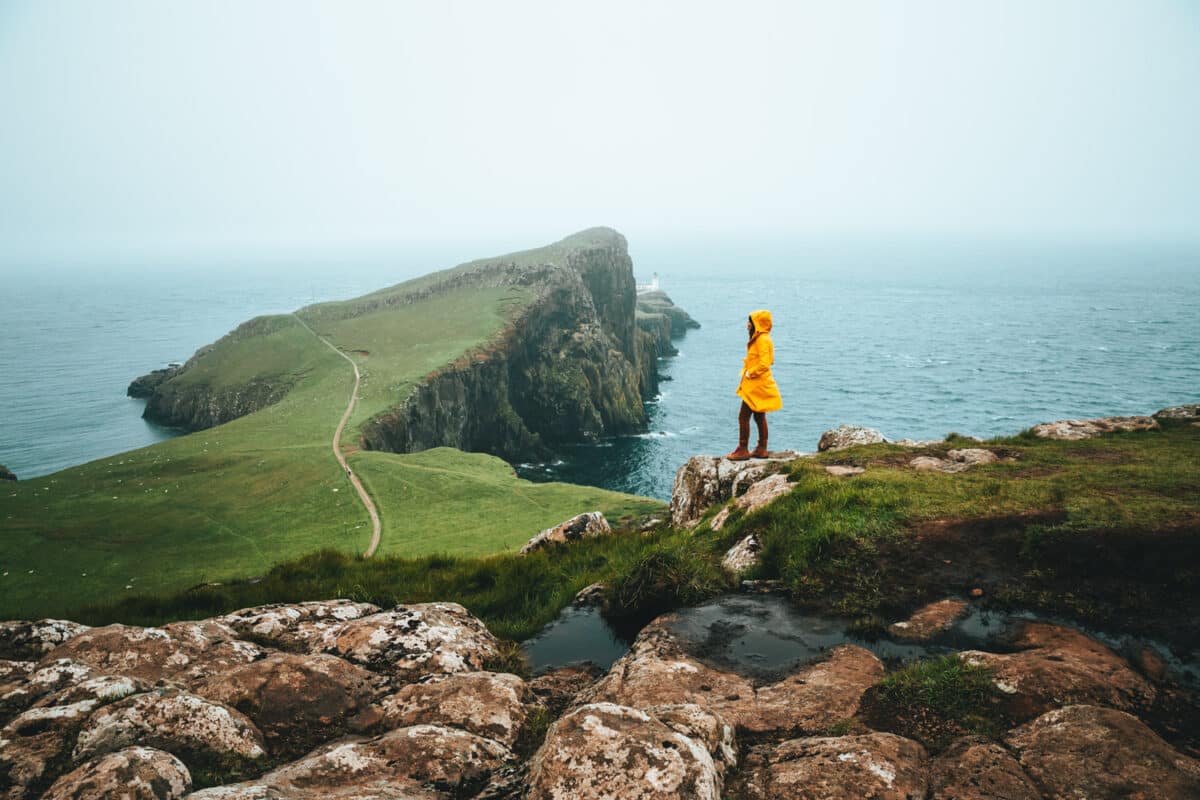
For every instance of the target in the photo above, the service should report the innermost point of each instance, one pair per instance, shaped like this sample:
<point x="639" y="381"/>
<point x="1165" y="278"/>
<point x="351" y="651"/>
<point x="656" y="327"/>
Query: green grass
<point x="234" y="500"/>
<point x="938" y="699"/>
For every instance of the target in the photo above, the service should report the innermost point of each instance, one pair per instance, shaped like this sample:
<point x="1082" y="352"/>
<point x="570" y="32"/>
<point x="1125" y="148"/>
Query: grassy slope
<point x="233" y="500"/>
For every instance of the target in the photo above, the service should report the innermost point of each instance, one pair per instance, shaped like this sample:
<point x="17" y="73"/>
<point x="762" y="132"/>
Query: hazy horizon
<point x="140" y="130"/>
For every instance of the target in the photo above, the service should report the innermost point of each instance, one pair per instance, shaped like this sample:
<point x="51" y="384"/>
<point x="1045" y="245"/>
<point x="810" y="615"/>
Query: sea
<point x="914" y="337"/>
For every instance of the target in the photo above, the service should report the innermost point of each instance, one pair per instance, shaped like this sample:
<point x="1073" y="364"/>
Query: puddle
<point x="764" y="636"/>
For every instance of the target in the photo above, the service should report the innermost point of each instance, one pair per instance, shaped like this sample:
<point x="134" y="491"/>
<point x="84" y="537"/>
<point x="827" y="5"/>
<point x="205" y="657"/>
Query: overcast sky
<point x="178" y="126"/>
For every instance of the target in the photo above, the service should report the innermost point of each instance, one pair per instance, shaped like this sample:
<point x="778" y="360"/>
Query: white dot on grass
<point x="335" y="490"/>
<point x="127" y="586"/>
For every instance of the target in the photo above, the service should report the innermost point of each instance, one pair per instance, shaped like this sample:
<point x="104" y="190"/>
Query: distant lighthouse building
<point x="652" y="286"/>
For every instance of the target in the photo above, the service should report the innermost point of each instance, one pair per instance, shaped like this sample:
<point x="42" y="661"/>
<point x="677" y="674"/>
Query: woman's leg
<point x="760" y="421"/>
<point x="741" y="454"/>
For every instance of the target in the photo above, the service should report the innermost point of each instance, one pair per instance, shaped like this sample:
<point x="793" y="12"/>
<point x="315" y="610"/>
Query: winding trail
<point x="337" y="446"/>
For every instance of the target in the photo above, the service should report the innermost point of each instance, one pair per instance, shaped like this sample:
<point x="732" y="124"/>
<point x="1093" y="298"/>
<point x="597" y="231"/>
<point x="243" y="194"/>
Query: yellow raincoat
<point x="758" y="388"/>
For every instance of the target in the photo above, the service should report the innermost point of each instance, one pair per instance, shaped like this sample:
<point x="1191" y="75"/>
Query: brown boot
<point x="760" y="451"/>
<point x="741" y="454"/>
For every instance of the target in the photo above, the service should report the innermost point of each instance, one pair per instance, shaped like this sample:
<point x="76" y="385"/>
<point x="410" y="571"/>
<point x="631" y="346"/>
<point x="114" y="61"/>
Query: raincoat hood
<point x="761" y="320"/>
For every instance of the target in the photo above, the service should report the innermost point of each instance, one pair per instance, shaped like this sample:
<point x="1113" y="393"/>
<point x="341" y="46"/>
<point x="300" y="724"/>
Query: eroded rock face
<point x="411" y="641"/>
<point x="484" y="703"/>
<point x="978" y="769"/>
<point x="605" y="750"/>
<point x="23" y="639"/>
<point x="297" y="701"/>
<point x="760" y="494"/>
<point x="930" y="620"/>
<point x="135" y="773"/>
<point x="709" y="480"/>
<point x="1062" y="666"/>
<point x="583" y="526"/>
<point x="197" y="730"/>
<point x="295" y="626"/>
<point x="1074" y="429"/>
<point x="1085" y="751"/>
<point x="844" y="436"/>
<point x="881" y="766"/>
<point x="181" y="652"/>
<point x="742" y="556"/>
<point x="657" y="671"/>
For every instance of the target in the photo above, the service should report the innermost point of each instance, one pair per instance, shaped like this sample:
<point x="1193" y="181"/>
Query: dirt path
<point x="337" y="447"/>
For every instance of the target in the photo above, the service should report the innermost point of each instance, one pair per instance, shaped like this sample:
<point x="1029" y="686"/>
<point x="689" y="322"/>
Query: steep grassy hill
<point x="261" y="485"/>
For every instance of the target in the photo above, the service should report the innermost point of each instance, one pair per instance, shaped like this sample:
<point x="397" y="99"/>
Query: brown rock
<point x="197" y="730"/>
<point x="974" y="769"/>
<point x="484" y="703"/>
<point x="705" y="728"/>
<point x="295" y="626"/>
<point x="955" y="460"/>
<point x="977" y="592"/>
<point x="604" y="751"/>
<point x="22" y="691"/>
<point x="706" y="481"/>
<point x="1074" y="429"/>
<point x="742" y="556"/>
<point x="23" y="639"/>
<point x="1060" y="667"/>
<point x="15" y="670"/>
<point x="844" y="436"/>
<point x="583" y="526"/>
<point x="1151" y="664"/>
<point x="760" y="494"/>
<point x="411" y="641"/>
<point x="928" y="621"/>
<point x="590" y="595"/>
<point x="181" y="652"/>
<point x="879" y="766"/>
<point x="135" y="773"/>
<point x="1085" y="751"/>
<point x="297" y="701"/>
<point x="557" y="688"/>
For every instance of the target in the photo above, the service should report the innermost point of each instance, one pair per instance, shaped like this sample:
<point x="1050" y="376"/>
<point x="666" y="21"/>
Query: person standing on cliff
<point x="757" y="388"/>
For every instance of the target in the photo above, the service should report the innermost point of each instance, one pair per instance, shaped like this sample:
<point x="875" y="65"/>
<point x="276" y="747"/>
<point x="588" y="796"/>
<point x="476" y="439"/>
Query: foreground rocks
<point x="875" y="765"/>
<point x="583" y="526"/>
<point x="135" y="773"/>
<point x="930" y="620"/>
<point x="25" y="639"/>
<point x="298" y="627"/>
<point x="706" y="481"/>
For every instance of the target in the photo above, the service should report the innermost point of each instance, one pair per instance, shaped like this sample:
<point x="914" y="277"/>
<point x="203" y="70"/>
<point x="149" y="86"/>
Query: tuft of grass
<point x="937" y="699"/>
<point x="677" y="572"/>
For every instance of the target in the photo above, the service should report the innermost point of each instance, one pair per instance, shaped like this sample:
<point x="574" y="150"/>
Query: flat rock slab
<point x="880" y="766"/>
<point x="26" y="639"/>
<point x="977" y="769"/>
<point x="415" y="640"/>
<point x="295" y="626"/>
<point x="1086" y="751"/>
<point x="1185" y="412"/>
<point x="1075" y="429"/>
<point x="23" y="689"/>
<point x="485" y="703"/>
<point x="955" y="460"/>
<point x="135" y="773"/>
<point x="930" y="620"/>
<point x="604" y="751"/>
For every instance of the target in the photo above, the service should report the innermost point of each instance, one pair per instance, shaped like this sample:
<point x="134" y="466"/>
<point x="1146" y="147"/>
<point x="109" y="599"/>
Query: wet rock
<point x="844" y="436"/>
<point x="881" y="766"/>
<point x="955" y="460"/>
<point x="181" y="652"/>
<point x="1061" y="666"/>
<point x="657" y="671"/>
<point x="1085" y="751"/>
<point x="484" y="703"/>
<point x="295" y="626"/>
<point x="975" y="769"/>
<point x="199" y="731"/>
<point x="411" y="641"/>
<point x="583" y="526"/>
<point x="135" y="773"/>
<point x="27" y="640"/>
<point x="928" y="621"/>
<point x="1184" y="412"/>
<point x="415" y="763"/>
<point x="297" y="701"/>
<point x="760" y="494"/>
<point x="590" y="595"/>
<point x="1074" y="429"/>
<point x="556" y="689"/>
<point x="610" y="751"/>
<point x="709" y="480"/>
<point x="742" y="556"/>
<point x="843" y="471"/>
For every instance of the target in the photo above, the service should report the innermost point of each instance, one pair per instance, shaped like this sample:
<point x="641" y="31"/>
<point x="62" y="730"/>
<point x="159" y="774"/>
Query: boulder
<point x="709" y="480"/>
<point x="704" y="727"/>
<point x="590" y="595"/>
<point x="294" y="626"/>
<point x="844" y="436"/>
<point x="930" y="620"/>
<point x="135" y="773"/>
<point x="15" y="670"/>
<point x="1061" y="666"/>
<point x="880" y="766"/>
<point x="23" y="690"/>
<point x="484" y="703"/>
<point x="199" y="731"/>
<point x="557" y="688"/>
<point x="181" y="652"/>
<point x="423" y="762"/>
<point x="1085" y="751"/>
<point x="1189" y="411"/>
<point x="742" y="556"/>
<point x="603" y="751"/>
<point x="411" y="641"/>
<point x="759" y="494"/>
<point x="296" y="701"/>
<point x="1074" y="429"/>
<point x="24" y="639"/>
<point x="583" y="526"/>
<point x="657" y="671"/>
<point x="977" y="769"/>
<point x="955" y="460"/>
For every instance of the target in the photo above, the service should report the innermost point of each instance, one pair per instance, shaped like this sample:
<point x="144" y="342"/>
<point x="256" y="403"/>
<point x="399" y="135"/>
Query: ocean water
<point x="917" y="339"/>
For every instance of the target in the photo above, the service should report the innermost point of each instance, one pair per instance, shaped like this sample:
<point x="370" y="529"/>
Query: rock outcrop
<point x="1074" y="429"/>
<point x="146" y="385"/>
<point x="298" y="627"/>
<point x="760" y="494"/>
<point x="582" y="526"/>
<point x="844" y="436"/>
<point x="488" y="704"/>
<point x="21" y="639"/>
<point x="706" y="481"/>
<point x="6" y="474"/>
<point x="742" y="556"/>
<point x="1189" y="411"/>
<point x="876" y="765"/>
<point x="955" y="460"/>
<point x="135" y="773"/>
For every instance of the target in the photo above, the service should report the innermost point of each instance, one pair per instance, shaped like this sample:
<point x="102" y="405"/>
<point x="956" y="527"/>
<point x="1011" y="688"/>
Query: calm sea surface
<point x="916" y="340"/>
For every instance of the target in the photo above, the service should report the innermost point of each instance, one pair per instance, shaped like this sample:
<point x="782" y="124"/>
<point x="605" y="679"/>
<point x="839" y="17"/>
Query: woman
<point x="757" y="388"/>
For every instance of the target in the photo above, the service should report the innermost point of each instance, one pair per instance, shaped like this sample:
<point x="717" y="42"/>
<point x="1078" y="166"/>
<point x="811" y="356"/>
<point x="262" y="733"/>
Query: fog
<point x="132" y="129"/>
